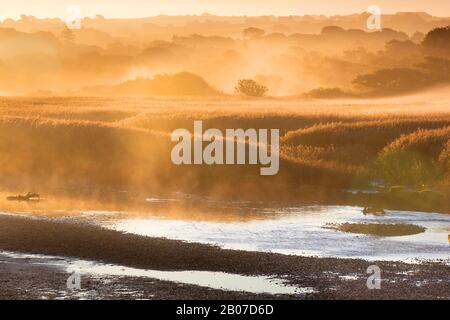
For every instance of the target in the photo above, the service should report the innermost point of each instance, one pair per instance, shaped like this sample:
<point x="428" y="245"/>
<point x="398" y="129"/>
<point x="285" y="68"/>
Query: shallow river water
<point x="302" y="231"/>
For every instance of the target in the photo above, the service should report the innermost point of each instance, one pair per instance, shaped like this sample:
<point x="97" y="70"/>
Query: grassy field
<point x="90" y="145"/>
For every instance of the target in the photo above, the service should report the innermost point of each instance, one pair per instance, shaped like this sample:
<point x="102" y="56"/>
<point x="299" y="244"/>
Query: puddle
<point x="214" y="280"/>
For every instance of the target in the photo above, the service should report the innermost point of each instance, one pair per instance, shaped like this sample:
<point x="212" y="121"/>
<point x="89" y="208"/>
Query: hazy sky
<point x="143" y="8"/>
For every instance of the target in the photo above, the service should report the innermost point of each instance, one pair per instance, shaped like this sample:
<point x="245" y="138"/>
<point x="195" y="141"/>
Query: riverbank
<point x="331" y="278"/>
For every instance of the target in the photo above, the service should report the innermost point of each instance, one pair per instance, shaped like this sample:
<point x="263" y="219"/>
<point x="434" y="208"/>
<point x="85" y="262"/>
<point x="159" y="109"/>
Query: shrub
<point x="250" y="88"/>
<point x="406" y="167"/>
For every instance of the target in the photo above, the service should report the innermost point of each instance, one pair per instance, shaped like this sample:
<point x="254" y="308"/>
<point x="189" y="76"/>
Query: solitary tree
<point x="251" y="88"/>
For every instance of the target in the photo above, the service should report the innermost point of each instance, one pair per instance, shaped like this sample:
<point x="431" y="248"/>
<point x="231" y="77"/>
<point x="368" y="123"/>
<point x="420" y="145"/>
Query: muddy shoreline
<point x="328" y="276"/>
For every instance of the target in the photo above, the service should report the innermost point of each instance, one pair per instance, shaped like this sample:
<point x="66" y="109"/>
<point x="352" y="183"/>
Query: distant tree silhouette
<point x="405" y="49"/>
<point x="250" y="88"/>
<point x="431" y="71"/>
<point x="391" y="81"/>
<point x="437" y="69"/>
<point x="332" y="30"/>
<point x="417" y="37"/>
<point x="438" y="41"/>
<point x="252" y="32"/>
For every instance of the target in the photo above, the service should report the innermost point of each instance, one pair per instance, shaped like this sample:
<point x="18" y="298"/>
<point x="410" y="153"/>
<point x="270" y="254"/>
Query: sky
<point x="144" y="8"/>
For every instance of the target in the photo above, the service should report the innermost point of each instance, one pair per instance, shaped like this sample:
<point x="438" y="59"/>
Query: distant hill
<point x="179" y="84"/>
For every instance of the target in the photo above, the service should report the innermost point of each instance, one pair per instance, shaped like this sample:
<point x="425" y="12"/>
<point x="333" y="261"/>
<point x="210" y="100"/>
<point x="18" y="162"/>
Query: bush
<point x="250" y="88"/>
<point x="406" y="167"/>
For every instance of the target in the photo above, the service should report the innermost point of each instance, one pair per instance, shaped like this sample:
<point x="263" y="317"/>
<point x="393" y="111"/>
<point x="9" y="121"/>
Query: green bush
<point x="405" y="167"/>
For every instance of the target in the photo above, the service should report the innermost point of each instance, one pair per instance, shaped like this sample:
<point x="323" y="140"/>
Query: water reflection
<point x="300" y="231"/>
<point x="214" y="280"/>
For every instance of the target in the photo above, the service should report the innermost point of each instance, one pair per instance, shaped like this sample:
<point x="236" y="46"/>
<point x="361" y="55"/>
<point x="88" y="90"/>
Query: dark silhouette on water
<point x="373" y="210"/>
<point x="30" y="196"/>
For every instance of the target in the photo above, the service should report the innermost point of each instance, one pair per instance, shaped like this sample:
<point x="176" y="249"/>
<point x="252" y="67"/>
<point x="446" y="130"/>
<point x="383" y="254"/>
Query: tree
<point x="389" y="81"/>
<point x="250" y="88"/>
<point x="438" y="41"/>
<point x="252" y="32"/>
<point x="437" y="69"/>
<point x="402" y="49"/>
<point x="417" y="37"/>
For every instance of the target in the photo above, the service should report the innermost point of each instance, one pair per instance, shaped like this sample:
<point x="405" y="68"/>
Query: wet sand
<point x="332" y="278"/>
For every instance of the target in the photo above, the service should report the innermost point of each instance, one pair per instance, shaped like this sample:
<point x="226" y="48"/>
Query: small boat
<point x="373" y="210"/>
<point x="30" y="196"/>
